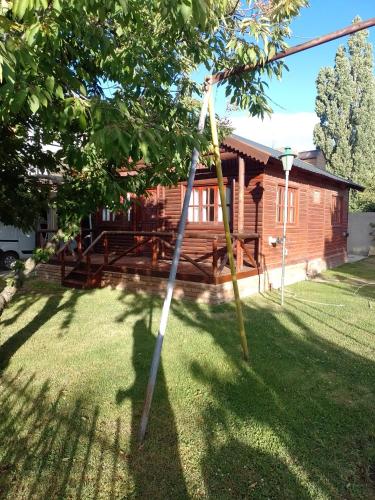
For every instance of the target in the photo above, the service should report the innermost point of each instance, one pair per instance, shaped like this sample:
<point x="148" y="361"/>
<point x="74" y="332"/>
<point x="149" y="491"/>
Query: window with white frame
<point x="205" y="205"/>
<point x="107" y="215"/>
<point x="292" y="208"/>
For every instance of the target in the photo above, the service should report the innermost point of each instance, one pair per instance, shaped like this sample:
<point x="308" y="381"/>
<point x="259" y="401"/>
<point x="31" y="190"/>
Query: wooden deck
<point x="143" y="265"/>
<point x="149" y="253"/>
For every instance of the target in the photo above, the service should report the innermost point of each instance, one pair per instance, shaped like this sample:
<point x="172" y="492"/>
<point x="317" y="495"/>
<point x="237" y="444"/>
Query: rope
<point x="293" y="295"/>
<point x="363" y="283"/>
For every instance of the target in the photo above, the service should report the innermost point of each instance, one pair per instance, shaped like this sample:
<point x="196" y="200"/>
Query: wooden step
<point x="72" y="283"/>
<point x="81" y="271"/>
<point x="79" y="278"/>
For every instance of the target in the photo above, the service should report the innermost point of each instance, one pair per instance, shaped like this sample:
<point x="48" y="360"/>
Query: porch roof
<point x="262" y="153"/>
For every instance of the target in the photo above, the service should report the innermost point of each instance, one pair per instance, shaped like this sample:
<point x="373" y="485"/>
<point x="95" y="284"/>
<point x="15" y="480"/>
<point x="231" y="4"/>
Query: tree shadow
<point x="55" y="303"/>
<point x="313" y="397"/>
<point x="51" y="449"/>
<point x="16" y="341"/>
<point x="295" y="423"/>
<point x="236" y="470"/>
<point x="156" y="466"/>
<point x="24" y="302"/>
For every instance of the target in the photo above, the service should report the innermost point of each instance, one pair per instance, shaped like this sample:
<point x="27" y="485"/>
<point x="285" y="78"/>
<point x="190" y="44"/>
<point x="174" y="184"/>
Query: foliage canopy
<point x="109" y="84"/>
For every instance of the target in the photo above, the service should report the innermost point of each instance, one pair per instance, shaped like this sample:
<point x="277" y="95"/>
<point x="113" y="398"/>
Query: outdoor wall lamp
<point x="273" y="240"/>
<point x="287" y="159"/>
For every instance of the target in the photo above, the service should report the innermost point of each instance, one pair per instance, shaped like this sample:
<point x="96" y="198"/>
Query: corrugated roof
<point x="262" y="153"/>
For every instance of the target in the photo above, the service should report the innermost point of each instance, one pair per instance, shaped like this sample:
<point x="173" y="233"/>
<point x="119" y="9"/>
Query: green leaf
<point x="50" y="83"/>
<point x="32" y="32"/>
<point x="186" y="12"/>
<point x="59" y="92"/>
<point x="143" y="146"/>
<point x="82" y="89"/>
<point x="43" y="100"/>
<point x="199" y="11"/>
<point x="20" y="7"/>
<point x="19" y="100"/>
<point x="124" y="6"/>
<point x="56" y="5"/>
<point x="33" y="103"/>
<point x="82" y="121"/>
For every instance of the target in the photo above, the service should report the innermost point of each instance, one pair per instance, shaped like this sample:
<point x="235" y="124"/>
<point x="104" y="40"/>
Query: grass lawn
<point x="297" y="422"/>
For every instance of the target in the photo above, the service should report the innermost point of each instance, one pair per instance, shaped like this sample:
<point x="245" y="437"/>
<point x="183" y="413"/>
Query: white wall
<point x="359" y="240"/>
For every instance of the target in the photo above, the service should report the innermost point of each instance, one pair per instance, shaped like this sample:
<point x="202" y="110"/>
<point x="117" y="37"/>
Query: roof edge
<point x="261" y="153"/>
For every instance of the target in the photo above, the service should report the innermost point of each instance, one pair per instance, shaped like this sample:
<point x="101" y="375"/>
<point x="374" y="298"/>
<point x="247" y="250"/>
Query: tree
<point x="345" y="105"/>
<point x="112" y="79"/>
<point x="110" y="84"/>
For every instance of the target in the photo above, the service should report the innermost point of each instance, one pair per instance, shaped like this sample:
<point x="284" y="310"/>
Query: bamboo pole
<point x="315" y="42"/>
<point x="172" y="277"/>
<point x="228" y="238"/>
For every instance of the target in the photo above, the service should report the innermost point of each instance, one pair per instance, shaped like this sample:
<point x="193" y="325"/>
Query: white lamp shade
<point x="287" y="159"/>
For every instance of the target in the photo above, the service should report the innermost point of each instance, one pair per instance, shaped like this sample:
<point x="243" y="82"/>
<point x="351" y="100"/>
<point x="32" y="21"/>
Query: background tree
<point x="345" y="105"/>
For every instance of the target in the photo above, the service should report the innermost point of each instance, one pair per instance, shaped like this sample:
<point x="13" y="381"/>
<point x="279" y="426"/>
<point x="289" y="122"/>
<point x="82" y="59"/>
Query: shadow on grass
<point x="313" y="398"/>
<point x="55" y="303"/>
<point x="53" y="450"/>
<point x="295" y="423"/>
<point x="156" y="466"/>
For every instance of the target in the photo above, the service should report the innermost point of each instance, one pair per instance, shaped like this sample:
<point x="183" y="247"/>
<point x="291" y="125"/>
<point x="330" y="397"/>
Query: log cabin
<point x="132" y="250"/>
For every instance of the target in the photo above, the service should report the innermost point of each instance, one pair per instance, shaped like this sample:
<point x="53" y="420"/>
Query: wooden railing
<point x="43" y="237"/>
<point x="161" y="244"/>
<point x="74" y="244"/>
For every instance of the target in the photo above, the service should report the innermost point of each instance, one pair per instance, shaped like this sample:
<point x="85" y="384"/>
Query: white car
<point x="14" y="245"/>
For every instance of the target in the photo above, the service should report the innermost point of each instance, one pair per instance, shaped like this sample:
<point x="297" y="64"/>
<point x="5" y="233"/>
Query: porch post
<point x="172" y="276"/>
<point x="241" y="210"/>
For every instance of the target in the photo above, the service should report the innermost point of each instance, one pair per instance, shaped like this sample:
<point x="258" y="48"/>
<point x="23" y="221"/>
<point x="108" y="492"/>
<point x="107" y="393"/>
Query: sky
<point x="294" y="117"/>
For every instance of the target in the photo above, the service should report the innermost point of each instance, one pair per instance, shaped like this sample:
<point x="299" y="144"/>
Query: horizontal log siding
<point x="313" y="236"/>
<point x="252" y="214"/>
<point x="169" y="205"/>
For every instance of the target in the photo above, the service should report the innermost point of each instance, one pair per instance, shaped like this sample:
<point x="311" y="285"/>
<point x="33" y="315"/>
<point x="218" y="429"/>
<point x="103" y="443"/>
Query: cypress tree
<point x="345" y="105"/>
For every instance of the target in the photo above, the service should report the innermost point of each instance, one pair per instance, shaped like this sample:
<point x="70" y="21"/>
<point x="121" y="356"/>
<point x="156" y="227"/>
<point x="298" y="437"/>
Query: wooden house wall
<point x="173" y="198"/>
<point x="313" y="235"/>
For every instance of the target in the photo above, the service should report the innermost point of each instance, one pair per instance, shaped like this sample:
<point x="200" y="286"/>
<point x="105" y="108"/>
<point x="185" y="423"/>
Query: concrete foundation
<point x="203" y="292"/>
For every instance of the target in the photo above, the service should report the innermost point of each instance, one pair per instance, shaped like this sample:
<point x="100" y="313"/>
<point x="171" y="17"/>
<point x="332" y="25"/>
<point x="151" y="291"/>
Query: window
<point x="336" y="210"/>
<point x="316" y="197"/>
<point x="129" y="210"/>
<point x="228" y="201"/>
<point x="292" y="205"/>
<point x="111" y="216"/>
<point x="205" y="205"/>
<point x="107" y="215"/>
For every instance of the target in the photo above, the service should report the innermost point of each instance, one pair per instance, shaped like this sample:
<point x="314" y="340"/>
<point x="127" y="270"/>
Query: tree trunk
<point x="22" y="272"/>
